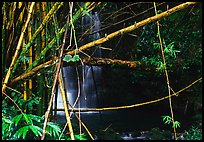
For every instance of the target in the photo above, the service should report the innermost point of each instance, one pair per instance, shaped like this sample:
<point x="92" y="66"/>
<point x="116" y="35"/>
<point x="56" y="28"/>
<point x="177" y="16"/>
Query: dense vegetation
<point x="35" y="35"/>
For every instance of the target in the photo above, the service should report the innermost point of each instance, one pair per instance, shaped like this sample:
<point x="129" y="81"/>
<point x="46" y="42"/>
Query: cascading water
<point x="89" y="92"/>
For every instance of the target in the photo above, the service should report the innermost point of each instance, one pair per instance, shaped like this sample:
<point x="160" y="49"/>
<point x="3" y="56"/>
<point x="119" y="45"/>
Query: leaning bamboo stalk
<point x="47" y="18"/>
<point x="66" y="107"/>
<point x="104" y="39"/>
<point x="10" y="23"/>
<point x="34" y="70"/>
<point x="18" y="47"/>
<point x="132" y="27"/>
<point x="55" y="81"/>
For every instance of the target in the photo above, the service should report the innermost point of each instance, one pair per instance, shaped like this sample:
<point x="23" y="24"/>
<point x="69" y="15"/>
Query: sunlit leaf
<point x="36" y="130"/>
<point x="54" y="129"/>
<point x="75" y="58"/>
<point x="86" y="13"/>
<point x="80" y="137"/>
<point x="16" y="119"/>
<point x="176" y="124"/>
<point x="35" y="117"/>
<point x="22" y="131"/>
<point x="6" y="120"/>
<point x="67" y="58"/>
<point x="27" y="119"/>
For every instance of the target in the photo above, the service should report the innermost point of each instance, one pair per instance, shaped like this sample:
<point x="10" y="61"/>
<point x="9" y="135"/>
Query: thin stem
<point x="55" y="81"/>
<point x="166" y="74"/>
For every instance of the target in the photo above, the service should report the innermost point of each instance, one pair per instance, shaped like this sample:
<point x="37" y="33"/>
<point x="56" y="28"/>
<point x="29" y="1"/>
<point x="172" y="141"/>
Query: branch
<point x="107" y="61"/>
<point x="135" y="105"/>
<point x="55" y="81"/>
<point x="131" y="28"/>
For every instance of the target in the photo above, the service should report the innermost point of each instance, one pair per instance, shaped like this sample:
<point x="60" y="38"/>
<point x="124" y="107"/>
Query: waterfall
<point x="90" y="76"/>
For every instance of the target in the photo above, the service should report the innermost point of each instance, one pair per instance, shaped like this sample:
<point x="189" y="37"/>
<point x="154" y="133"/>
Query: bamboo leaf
<point x="35" y="117"/>
<point x="55" y="129"/>
<point x="36" y="130"/>
<point x="67" y="58"/>
<point x="27" y="119"/>
<point x="16" y="119"/>
<point x="6" y="120"/>
<point x="22" y="131"/>
<point x="176" y="124"/>
<point x="75" y="58"/>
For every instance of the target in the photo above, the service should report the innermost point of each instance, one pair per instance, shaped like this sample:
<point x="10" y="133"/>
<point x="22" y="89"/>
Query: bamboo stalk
<point x="55" y="81"/>
<point x="30" y="60"/>
<point x="66" y="107"/>
<point x="47" y="18"/>
<point x="10" y="27"/>
<point x="25" y="97"/>
<point x="18" y="47"/>
<point x="43" y="6"/>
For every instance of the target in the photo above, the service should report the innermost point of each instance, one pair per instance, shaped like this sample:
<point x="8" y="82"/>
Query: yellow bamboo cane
<point x="18" y="47"/>
<point x="66" y="107"/>
<point x="30" y="59"/>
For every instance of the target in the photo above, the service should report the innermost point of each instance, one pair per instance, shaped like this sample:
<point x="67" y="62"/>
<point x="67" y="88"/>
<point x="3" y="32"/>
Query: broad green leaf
<point x="176" y="124"/>
<point x="75" y="58"/>
<point x="27" y="119"/>
<point x="67" y="58"/>
<point x="16" y="119"/>
<point x="22" y="131"/>
<point x="35" y="117"/>
<point x="36" y="130"/>
<point x="80" y="137"/>
<point x="54" y="129"/>
<point x="7" y="120"/>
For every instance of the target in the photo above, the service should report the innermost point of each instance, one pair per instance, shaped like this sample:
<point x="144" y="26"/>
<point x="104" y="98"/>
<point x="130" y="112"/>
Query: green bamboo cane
<point x="40" y="79"/>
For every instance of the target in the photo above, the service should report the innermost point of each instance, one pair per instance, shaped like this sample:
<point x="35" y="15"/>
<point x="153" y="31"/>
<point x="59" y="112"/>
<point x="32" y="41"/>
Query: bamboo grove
<point x="35" y="38"/>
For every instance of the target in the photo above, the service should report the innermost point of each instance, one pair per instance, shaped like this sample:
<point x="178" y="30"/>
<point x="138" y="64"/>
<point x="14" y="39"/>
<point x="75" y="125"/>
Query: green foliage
<point x="194" y="133"/>
<point x="53" y="129"/>
<point x="24" y="126"/>
<point x="157" y="134"/>
<point x="69" y="58"/>
<point x="169" y="49"/>
<point x="167" y="120"/>
<point x="28" y="126"/>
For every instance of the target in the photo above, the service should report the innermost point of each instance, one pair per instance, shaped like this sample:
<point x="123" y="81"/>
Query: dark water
<point x="126" y="121"/>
